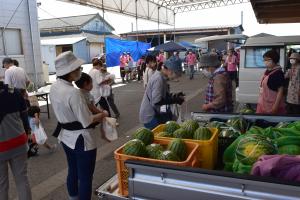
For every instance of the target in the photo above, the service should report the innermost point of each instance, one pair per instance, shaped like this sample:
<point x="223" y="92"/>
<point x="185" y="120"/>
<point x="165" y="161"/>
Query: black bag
<point x="163" y="117"/>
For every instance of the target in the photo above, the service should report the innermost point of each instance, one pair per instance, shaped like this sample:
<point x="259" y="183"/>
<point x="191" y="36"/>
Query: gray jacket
<point x="156" y="90"/>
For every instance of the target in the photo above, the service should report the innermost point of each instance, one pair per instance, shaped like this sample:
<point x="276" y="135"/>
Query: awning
<point x="222" y="37"/>
<point x="61" y="41"/>
<point x="276" y="11"/>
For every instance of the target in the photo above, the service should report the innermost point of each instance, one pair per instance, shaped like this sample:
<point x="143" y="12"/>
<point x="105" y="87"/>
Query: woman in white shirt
<point x="74" y="126"/>
<point x="150" y="69"/>
<point x="99" y="83"/>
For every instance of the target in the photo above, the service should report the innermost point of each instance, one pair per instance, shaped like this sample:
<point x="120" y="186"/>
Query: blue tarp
<point x="115" y="47"/>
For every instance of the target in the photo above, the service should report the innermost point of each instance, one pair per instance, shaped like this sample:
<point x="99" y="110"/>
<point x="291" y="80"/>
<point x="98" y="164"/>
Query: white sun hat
<point x="67" y="62"/>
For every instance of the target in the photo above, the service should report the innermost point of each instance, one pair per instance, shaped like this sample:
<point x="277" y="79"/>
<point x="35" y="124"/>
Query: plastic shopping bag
<point x="105" y="90"/>
<point x="109" y="128"/>
<point x="40" y="135"/>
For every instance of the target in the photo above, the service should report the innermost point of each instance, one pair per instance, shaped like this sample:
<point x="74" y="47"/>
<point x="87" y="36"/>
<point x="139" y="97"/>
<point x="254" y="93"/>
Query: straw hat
<point x="66" y="63"/>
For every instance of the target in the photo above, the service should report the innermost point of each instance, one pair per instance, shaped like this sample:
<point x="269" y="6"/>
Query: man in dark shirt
<point x="14" y="128"/>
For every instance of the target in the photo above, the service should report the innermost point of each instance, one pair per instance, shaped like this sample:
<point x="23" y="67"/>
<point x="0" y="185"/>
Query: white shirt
<point x="146" y="76"/>
<point x="69" y="105"/>
<point x="16" y="77"/>
<point x="2" y="72"/>
<point x="97" y="79"/>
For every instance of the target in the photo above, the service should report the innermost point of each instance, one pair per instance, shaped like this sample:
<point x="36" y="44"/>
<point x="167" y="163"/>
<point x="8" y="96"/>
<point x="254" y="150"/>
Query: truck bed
<point x="163" y="182"/>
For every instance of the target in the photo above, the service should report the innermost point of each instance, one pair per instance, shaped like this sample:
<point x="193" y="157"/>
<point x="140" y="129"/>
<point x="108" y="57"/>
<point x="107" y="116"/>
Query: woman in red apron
<point x="271" y="100"/>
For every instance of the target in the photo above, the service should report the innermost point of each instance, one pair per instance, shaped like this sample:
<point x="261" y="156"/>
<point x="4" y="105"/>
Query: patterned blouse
<point x="293" y="95"/>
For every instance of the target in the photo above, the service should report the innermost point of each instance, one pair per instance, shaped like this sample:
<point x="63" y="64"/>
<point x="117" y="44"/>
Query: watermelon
<point x="240" y="168"/>
<point x="247" y="111"/>
<point x="238" y="124"/>
<point x="171" y="126"/>
<point x="154" y="150"/>
<point x="135" y="147"/>
<point x="202" y="133"/>
<point x="251" y="147"/>
<point x="217" y="125"/>
<point x="289" y="149"/>
<point x="145" y="135"/>
<point x="190" y="126"/>
<point x="229" y="133"/>
<point x="282" y="125"/>
<point x="165" y="134"/>
<point x="179" y="148"/>
<point x="181" y="133"/>
<point x="168" y="155"/>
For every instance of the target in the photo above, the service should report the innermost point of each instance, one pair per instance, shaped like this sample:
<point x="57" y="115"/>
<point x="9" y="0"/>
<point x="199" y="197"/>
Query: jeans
<point x="18" y="167"/>
<point x="152" y="124"/>
<point x="192" y="71"/>
<point x="81" y="166"/>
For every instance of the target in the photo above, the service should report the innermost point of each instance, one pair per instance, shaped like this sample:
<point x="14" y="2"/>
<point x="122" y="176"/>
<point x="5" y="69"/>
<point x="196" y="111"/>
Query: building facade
<point x="83" y="35"/>
<point x="20" y="37"/>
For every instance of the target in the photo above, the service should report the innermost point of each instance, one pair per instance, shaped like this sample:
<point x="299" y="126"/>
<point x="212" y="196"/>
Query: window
<point x="10" y="42"/>
<point x="254" y="56"/>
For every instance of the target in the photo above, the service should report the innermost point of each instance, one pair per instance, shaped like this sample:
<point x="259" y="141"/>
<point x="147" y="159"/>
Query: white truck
<point x="252" y="66"/>
<point x="163" y="182"/>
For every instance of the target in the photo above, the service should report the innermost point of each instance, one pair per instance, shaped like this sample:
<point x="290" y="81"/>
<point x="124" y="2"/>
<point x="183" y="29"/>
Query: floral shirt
<point x="294" y="85"/>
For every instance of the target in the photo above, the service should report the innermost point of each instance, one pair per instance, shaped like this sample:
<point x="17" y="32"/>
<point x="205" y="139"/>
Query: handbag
<point x="164" y="114"/>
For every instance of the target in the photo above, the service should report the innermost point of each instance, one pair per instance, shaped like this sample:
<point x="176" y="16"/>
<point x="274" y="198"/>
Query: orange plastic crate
<point x="191" y="161"/>
<point x="208" y="149"/>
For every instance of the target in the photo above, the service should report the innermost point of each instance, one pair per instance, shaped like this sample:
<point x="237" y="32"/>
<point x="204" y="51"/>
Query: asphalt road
<point x="47" y="172"/>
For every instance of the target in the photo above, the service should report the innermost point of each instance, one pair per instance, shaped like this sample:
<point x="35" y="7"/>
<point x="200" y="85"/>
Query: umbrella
<point x="188" y="44"/>
<point x="170" y="46"/>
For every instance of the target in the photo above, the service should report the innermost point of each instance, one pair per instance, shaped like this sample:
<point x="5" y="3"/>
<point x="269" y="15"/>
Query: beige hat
<point x="66" y="62"/>
<point x="295" y="56"/>
<point x="209" y="60"/>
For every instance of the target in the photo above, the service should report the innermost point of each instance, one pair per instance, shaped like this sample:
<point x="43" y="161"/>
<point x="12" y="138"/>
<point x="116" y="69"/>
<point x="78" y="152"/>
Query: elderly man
<point x="219" y="89"/>
<point x="15" y="76"/>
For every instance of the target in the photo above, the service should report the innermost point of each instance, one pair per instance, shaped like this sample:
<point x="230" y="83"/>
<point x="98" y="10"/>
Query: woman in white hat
<point x="293" y="94"/>
<point x="75" y="122"/>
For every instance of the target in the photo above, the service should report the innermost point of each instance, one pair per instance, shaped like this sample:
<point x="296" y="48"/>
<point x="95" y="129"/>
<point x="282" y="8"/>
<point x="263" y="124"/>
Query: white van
<point x="252" y="66"/>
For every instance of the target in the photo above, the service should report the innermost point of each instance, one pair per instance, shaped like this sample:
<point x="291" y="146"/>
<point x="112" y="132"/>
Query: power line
<point x="56" y="17"/>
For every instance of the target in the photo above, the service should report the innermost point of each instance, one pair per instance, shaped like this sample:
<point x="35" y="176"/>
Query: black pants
<point x="233" y="75"/>
<point x="104" y="105"/>
<point x="140" y="74"/>
<point x="293" y="109"/>
<point x="112" y="104"/>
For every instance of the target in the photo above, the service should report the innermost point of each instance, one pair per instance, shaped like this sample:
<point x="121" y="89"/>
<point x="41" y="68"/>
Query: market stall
<point x="232" y="160"/>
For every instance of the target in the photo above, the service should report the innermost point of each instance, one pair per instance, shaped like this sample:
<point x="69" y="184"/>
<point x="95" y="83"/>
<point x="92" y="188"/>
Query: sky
<point x="229" y="15"/>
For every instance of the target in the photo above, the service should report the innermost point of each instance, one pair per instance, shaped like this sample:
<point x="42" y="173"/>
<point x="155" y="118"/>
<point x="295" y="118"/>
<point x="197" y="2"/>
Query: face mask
<point x="207" y="73"/>
<point x="269" y="64"/>
<point x="292" y="61"/>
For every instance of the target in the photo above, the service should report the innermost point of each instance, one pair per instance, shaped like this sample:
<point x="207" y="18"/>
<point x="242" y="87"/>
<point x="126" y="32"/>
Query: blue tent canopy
<point x="115" y="47"/>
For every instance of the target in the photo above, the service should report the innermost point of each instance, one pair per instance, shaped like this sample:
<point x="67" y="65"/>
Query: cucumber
<point x="287" y="140"/>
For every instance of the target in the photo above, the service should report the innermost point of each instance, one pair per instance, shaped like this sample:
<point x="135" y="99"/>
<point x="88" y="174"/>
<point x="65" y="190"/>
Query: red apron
<point x="267" y="97"/>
